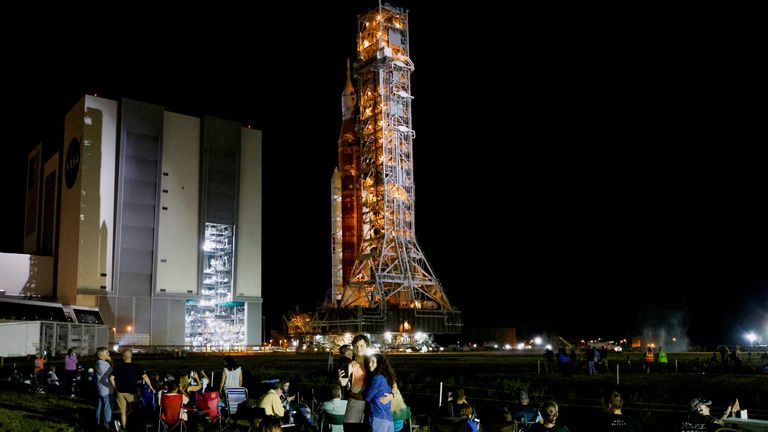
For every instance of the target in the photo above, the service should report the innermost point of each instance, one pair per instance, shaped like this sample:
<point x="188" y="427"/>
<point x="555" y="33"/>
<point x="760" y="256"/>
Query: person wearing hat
<point x="523" y="412"/>
<point x="699" y="418"/>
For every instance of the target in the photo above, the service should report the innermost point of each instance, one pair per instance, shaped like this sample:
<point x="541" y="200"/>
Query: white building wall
<point x="249" y="235"/>
<point x="107" y="178"/>
<point x="97" y="194"/>
<point x="179" y="226"/>
<point x="19" y="339"/>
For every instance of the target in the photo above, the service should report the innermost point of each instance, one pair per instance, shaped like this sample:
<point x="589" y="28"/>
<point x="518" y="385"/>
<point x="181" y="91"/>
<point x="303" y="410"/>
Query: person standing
<point x="378" y="393"/>
<point x="354" y="416"/>
<point x="592" y="358"/>
<point x="232" y="374"/>
<point x="649" y="359"/>
<point x="70" y="371"/>
<point x="40" y="360"/>
<point x="663" y="360"/>
<point x="614" y="419"/>
<point x="104" y="389"/>
<point x="549" y="361"/>
<point x="124" y="379"/>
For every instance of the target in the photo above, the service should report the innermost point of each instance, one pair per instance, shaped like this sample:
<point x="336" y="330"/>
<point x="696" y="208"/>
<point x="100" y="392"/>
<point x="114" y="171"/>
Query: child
<point x="53" y="380"/>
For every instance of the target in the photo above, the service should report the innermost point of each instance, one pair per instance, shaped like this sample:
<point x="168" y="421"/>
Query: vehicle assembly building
<point x="154" y="218"/>
<point x="381" y="280"/>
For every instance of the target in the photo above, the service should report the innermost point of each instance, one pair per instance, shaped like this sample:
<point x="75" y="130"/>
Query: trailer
<point x="22" y="338"/>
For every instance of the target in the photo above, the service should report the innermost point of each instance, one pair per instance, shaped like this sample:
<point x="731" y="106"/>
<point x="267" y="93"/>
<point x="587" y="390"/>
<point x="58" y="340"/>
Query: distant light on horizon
<point x="751" y="337"/>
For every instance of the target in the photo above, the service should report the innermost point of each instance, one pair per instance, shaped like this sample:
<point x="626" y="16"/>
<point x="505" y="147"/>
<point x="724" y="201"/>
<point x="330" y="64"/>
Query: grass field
<point x="491" y="380"/>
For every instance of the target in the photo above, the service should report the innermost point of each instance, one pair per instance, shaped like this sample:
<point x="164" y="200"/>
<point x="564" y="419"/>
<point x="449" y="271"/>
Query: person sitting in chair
<point x="53" y="380"/>
<point x="335" y="406"/>
<point x="271" y="402"/>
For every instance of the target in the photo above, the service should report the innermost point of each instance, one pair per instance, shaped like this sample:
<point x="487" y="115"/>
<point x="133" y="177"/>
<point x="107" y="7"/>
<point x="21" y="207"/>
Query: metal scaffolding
<point x="390" y="270"/>
<point x="215" y="322"/>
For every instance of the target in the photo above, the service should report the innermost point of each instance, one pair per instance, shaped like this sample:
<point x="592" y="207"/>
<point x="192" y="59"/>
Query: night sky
<point x="573" y="176"/>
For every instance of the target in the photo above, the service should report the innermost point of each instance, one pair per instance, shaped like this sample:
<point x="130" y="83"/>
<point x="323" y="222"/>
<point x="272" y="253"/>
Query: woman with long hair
<point x="378" y="392"/>
<point x="232" y="374"/>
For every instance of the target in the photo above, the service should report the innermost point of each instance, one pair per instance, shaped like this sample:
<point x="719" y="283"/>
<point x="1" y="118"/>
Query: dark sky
<point x="575" y="175"/>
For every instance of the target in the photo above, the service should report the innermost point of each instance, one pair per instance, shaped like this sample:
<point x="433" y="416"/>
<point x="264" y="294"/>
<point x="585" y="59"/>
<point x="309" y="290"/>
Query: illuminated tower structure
<point x="381" y="280"/>
<point x="390" y="270"/>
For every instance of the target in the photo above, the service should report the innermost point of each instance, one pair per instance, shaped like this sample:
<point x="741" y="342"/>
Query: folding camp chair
<point x="234" y="396"/>
<point x="171" y="405"/>
<point x="207" y="405"/>
<point x="330" y="420"/>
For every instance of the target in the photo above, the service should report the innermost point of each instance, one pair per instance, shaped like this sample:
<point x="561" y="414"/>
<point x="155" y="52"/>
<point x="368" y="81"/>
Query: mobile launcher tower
<point x="382" y="282"/>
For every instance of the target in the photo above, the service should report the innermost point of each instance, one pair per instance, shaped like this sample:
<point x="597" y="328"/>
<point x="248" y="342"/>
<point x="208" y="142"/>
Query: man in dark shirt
<point x="125" y="378"/>
<point x="613" y="419"/>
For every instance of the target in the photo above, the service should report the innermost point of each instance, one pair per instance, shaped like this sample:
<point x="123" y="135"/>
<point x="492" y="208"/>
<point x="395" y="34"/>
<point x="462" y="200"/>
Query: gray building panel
<point x="134" y="283"/>
<point x="139" y="215"/>
<point x="107" y="307"/>
<point x="138" y="197"/>
<point x="140" y="280"/>
<point x="136" y="261"/>
<point x="140" y="192"/>
<point x="140" y="169"/>
<point x="123" y="313"/>
<point x="142" y="314"/>
<point x="137" y="238"/>
<point x="176" y="312"/>
<point x="254" y="322"/>
<point x="143" y="145"/>
<point x="161" y="324"/>
<point x="221" y="163"/>
<point x="142" y="118"/>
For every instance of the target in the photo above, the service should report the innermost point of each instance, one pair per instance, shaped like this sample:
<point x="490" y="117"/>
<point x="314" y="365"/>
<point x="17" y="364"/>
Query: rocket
<point x="349" y="178"/>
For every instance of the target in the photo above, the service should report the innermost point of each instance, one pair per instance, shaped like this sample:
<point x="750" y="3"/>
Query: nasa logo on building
<point x="72" y="163"/>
